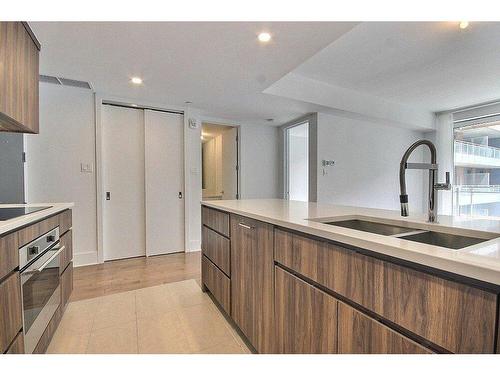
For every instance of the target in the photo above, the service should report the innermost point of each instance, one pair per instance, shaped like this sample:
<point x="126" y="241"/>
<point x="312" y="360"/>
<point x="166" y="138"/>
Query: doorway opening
<point x="220" y="162"/>
<point x="297" y="162"/>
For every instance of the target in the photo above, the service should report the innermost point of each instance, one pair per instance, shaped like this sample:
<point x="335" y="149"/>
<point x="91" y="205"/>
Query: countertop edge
<point x="22" y="221"/>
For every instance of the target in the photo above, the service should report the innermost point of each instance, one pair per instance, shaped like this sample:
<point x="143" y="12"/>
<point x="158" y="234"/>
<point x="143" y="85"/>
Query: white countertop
<point x="21" y="221"/>
<point x="481" y="261"/>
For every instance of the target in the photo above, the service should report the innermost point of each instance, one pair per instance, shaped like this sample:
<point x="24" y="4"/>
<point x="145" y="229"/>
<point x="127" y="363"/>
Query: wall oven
<point x="40" y="290"/>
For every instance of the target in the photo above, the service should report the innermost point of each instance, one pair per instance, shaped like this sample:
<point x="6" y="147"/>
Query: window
<point x="476" y="192"/>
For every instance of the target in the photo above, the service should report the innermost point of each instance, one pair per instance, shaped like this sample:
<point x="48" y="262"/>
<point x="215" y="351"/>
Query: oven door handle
<point x="42" y="267"/>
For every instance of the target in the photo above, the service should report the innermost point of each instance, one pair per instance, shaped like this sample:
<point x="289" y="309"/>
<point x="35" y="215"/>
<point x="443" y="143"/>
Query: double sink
<point x="430" y="237"/>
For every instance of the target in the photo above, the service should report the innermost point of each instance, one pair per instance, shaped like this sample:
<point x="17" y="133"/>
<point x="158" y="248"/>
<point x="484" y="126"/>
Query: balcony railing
<point x="470" y="154"/>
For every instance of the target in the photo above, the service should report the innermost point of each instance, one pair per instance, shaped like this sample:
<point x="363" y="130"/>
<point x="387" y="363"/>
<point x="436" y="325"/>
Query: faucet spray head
<point x="403" y="198"/>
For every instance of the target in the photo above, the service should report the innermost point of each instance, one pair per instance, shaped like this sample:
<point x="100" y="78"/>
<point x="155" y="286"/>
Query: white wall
<point x="366" y="170"/>
<point x="66" y="139"/>
<point x="259" y="159"/>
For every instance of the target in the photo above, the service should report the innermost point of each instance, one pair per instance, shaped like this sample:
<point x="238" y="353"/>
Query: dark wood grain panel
<point x="47" y="335"/>
<point x="65" y="221"/>
<point x="216" y="220"/>
<point x="252" y="292"/>
<point x="17" y="347"/>
<point x="66" y="281"/>
<point x="359" y="334"/>
<point x="29" y="233"/>
<point x="454" y="316"/>
<point x="18" y="79"/>
<point x="216" y="248"/>
<point x="67" y="254"/>
<point x="10" y="310"/>
<point x="218" y="283"/>
<point x="9" y="255"/>
<point x="306" y="318"/>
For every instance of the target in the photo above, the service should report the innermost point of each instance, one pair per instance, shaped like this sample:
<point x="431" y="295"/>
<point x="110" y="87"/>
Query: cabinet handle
<point x="245" y="226"/>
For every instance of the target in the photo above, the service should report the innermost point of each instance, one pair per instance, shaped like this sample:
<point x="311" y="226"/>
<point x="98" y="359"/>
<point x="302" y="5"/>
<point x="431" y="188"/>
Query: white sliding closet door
<point x="164" y="166"/>
<point x="124" y="233"/>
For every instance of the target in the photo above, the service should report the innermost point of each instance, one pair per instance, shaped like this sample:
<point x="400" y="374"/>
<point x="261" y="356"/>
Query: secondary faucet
<point x="433" y="174"/>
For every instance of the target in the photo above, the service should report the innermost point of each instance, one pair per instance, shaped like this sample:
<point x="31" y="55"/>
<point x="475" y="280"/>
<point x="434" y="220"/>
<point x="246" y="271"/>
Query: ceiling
<point x="219" y="66"/>
<point x="431" y="65"/>
<point x="396" y="72"/>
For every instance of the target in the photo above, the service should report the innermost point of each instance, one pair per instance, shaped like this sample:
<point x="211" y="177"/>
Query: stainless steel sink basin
<point x="422" y="235"/>
<point x="451" y="241"/>
<point x="372" y="227"/>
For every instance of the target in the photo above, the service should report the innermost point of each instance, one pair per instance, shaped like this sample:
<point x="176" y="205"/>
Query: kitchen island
<point x="36" y="273"/>
<point x="294" y="280"/>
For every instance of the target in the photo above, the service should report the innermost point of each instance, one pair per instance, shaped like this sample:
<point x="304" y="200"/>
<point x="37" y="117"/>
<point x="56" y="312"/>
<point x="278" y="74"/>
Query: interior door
<point x="124" y="234"/>
<point x="164" y="165"/>
<point x="229" y="163"/>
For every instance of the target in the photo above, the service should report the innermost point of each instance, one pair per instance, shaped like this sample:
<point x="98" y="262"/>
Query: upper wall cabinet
<point x="19" y="52"/>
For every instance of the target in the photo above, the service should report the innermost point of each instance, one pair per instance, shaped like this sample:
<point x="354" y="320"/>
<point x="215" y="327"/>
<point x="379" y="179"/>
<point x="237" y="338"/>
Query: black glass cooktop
<point x="7" y="213"/>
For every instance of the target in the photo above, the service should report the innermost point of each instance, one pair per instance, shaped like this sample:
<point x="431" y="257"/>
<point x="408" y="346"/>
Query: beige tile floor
<point x="169" y="318"/>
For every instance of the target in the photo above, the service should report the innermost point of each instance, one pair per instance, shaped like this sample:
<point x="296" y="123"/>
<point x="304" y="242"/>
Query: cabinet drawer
<point x="306" y="317"/>
<point x="9" y="254"/>
<point x="10" y="310"/>
<point x="359" y="334"/>
<point x="33" y="231"/>
<point x="457" y="317"/>
<point x="17" y="347"/>
<point x="216" y="248"/>
<point x="67" y="255"/>
<point x="218" y="283"/>
<point x="66" y="280"/>
<point x="65" y="221"/>
<point x="216" y="220"/>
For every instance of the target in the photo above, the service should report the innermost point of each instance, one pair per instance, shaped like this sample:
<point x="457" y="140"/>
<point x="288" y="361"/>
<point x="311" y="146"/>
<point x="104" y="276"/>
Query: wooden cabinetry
<point x="216" y="248"/>
<point x="306" y="317"/>
<point x="252" y="300"/>
<point x="17" y="347"/>
<point x="10" y="310"/>
<point x="9" y="254"/>
<point x="216" y="220"/>
<point x="216" y="282"/>
<point x="454" y="316"/>
<point x="360" y="334"/>
<point x="67" y="254"/>
<point x="19" y="52"/>
<point x="66" y="281"/>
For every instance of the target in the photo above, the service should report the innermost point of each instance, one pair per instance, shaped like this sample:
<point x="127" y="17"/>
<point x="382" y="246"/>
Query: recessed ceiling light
<point x="136" y="80"/>
<point x="264" y="37"/>
<point x="463" y="24"/>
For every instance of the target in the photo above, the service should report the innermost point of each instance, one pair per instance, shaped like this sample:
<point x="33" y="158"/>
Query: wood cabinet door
<point x="457" y="317"/>
<point x="17" y="347"/>
<point x="66" y="280"/>
<point x="252" y="300"/>
<point x="306" y="317"/>
<point x="18" y="79"/>
<point x="11" y="320"/>
<point x="360" y="334"/>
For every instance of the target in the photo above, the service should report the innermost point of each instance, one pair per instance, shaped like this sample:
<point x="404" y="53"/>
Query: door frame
<point x="312" y="119"/>
<point x="238" y="149"/>
<point x="100" y="100"/>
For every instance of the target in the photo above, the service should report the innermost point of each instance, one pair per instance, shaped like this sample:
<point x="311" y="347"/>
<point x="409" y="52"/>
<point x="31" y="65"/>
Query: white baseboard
<point x="85" y="259"/>
<point x="194" y="245"/>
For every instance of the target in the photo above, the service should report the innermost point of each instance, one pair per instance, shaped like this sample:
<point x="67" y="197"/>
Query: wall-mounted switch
<point x="327" y="163"/>
<point x="86" y="167"/>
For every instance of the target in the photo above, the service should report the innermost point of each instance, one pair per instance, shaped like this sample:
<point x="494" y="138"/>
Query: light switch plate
<point x="86" y="167"/>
